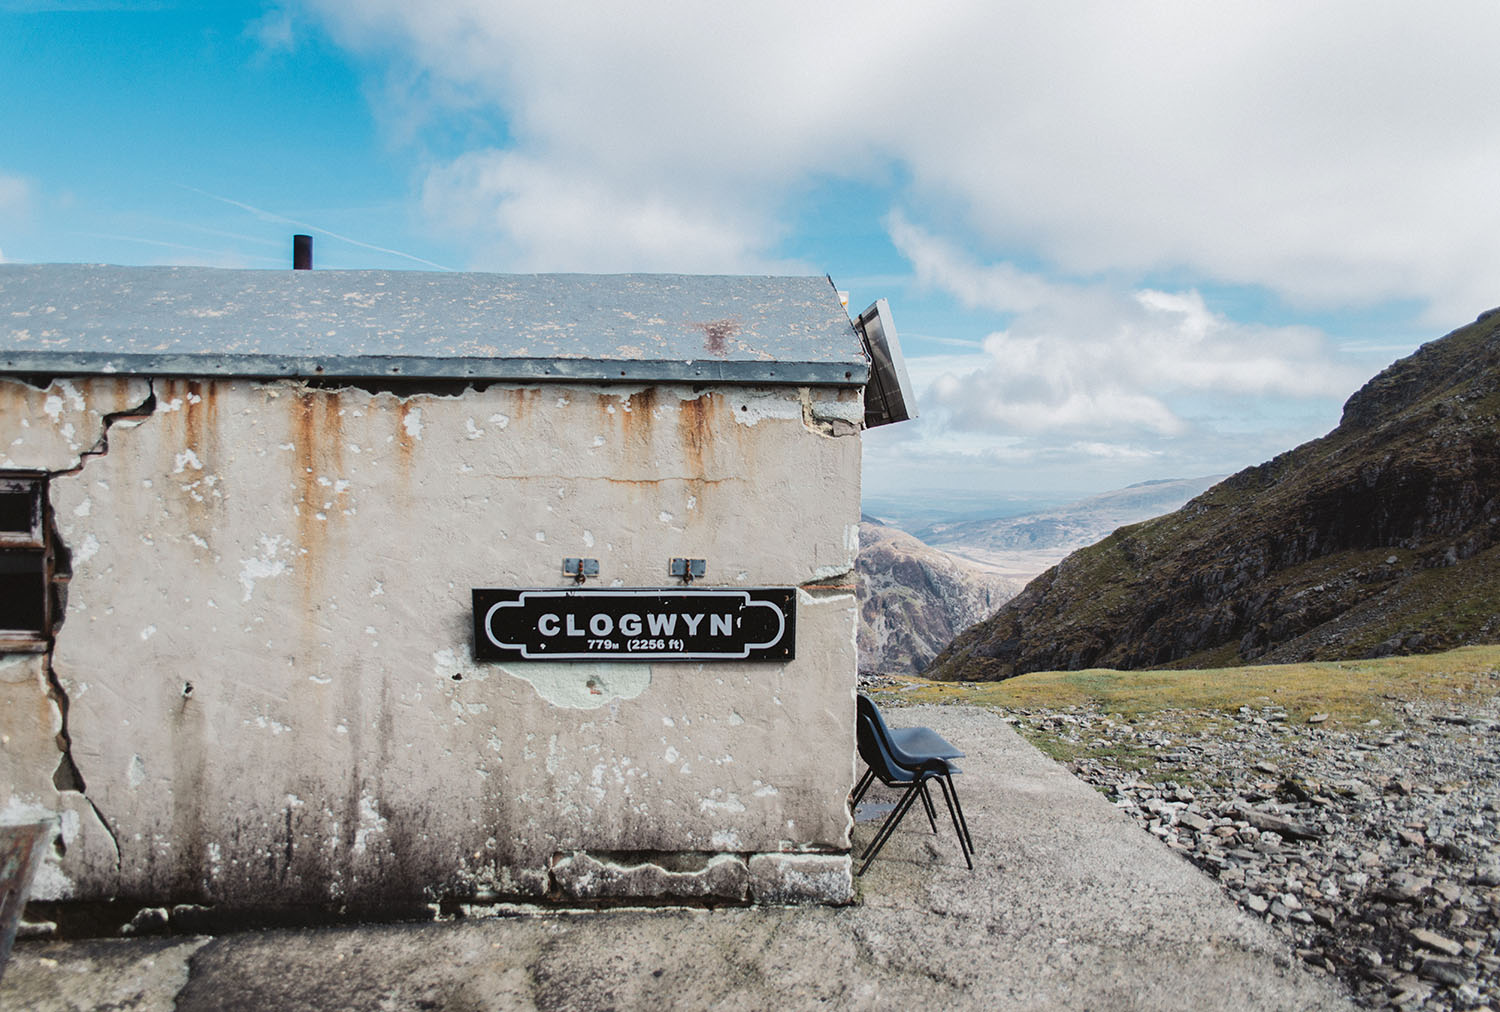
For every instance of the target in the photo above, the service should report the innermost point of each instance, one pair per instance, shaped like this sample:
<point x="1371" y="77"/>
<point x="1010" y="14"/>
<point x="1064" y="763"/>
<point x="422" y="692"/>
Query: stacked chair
<point x="906" y="758"/>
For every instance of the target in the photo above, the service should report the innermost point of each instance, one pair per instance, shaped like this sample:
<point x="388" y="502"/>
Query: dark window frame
<point x="19" y="544"/>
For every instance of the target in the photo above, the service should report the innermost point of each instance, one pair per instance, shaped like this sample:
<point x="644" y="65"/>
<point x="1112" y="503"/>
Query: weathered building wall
<point x="264" y="675"/>
<point x="52" y="430"/>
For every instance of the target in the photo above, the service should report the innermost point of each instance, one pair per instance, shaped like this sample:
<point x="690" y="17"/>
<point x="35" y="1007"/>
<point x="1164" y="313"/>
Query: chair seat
<point x="923" y="741"/>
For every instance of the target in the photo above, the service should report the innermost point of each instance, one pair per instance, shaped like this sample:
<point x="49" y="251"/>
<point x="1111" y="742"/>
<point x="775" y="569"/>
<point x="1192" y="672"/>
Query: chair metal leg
<point x="889" y="826"/>
<point x="927" y="804"/>
<point x="951" y="797"/>
<point x="960" y="810"/>
<point x="861" y="787"/>
<point x="869" y="778"/>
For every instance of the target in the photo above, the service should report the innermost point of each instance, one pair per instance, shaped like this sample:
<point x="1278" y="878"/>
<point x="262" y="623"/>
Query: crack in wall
<point x="829" y="587"/>
<point x="140" y="412"/>
<point x="830" y="418"/>
<point x="403" y="389"/>
<point x="67" y="777"/>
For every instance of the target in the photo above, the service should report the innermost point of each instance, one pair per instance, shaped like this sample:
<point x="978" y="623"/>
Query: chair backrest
<point x="866" y="707"/>
<point x="879" y="749"/>
<point x="873" y="749"/>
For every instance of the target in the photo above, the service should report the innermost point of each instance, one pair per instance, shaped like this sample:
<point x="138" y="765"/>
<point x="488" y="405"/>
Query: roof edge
<point x="739" y="372"/>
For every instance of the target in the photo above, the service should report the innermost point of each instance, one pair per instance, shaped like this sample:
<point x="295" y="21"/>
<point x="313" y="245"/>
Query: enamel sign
<point x="649" y="624"/>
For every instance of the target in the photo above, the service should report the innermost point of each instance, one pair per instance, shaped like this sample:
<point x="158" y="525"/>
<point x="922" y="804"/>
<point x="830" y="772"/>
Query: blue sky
<point x="1121" y="240"/>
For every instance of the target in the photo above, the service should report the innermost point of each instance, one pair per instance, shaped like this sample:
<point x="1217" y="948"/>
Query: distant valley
<point x="1025" y="546"/>
<point x="917" y="591"/>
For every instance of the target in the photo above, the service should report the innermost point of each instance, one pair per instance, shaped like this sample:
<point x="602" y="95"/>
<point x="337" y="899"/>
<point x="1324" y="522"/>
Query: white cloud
<point x="655" y="136"/>
<point x="1001" y="287"/>
<point x="518" y="212"/>
<point x="15" y="197"/>
<point x="1078" y="358"/>
<point x="1092" y="386"/>
<point x="1334" y="153"/>
<point x="274" y="31"/>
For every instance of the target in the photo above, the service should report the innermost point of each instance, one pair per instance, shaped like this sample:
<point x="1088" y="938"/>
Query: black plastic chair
<point x="909" y="764"/>
<point x="914" y="741"/>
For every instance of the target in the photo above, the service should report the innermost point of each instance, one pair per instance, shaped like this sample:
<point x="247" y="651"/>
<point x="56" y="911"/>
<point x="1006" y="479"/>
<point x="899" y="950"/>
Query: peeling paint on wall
<point x="582" y="686"/>
<point x="71" y="416"/>
<point x="266" y="564"/>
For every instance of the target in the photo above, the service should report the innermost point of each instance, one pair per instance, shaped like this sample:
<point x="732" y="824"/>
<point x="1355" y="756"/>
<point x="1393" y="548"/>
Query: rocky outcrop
<point x="913" y="599"/>
<point x="1380" y="537"/>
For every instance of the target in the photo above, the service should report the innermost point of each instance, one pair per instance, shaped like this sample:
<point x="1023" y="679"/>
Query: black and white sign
<point x="647" y="624"/>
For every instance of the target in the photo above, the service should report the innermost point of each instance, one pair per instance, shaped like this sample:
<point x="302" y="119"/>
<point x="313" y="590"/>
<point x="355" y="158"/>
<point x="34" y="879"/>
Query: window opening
<point x="26" y="564"/>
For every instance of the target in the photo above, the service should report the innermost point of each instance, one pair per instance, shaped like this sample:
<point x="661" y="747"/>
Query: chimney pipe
<point x="301" y="252"/>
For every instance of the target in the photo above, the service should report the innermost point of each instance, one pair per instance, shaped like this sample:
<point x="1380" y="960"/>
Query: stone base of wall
<point x="576" y="878"/>
<point x="801" y="878"/>
<point x="774" y="878"/>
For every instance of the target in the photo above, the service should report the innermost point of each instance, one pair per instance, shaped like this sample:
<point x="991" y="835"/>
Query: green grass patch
<point x="1067" y="714"/>
<point x="1351" y="692"/>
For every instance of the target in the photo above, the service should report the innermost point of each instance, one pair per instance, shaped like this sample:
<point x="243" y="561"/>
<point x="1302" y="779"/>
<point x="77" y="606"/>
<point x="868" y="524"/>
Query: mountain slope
<point x="1383" y="536"/>
<point x="913" y="599"/>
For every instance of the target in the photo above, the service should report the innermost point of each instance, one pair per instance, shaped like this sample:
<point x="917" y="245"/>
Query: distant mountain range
<point x="1381" y="537"/>
<point x="917" y="592"/>
<point x="1024" y="546"/>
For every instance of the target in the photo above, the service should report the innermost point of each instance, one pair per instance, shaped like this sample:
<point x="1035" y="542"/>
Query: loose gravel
<point x="1374" y="849"/>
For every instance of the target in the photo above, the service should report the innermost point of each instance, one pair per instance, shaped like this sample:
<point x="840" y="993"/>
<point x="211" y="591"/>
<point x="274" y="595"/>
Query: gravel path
<point x="1374" y="849"/>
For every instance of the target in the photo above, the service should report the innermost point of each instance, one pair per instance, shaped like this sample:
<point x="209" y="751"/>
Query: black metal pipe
<point x="301" y="252"/>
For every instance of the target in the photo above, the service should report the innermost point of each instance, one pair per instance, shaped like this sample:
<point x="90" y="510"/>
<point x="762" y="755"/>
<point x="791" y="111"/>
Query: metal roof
<point x="202" y="321"/>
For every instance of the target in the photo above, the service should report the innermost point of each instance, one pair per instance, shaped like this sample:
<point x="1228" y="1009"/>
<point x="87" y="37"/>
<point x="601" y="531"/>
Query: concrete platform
<point x="1070" y="906"/>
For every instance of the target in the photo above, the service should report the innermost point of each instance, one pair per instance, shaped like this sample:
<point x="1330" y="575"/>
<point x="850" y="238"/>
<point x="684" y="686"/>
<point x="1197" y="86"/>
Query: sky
<point x="1121" y="240"/>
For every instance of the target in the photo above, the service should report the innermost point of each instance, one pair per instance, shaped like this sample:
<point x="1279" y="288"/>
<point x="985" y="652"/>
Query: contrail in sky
<point x="271" y="216"/>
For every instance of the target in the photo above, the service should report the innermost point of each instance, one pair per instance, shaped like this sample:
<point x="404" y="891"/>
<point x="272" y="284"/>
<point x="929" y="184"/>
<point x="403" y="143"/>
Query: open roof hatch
<point x="888" y="396"/>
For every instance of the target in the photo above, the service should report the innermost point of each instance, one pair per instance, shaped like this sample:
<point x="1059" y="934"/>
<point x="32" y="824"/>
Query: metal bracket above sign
<point x="578" y="569"/>
<point x="636" y="624"/>
<point x="688" y="570"/>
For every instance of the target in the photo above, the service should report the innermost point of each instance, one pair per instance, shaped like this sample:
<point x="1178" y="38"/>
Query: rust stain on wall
<point x="523" y="403"/>
<point x="640" y="417"/>
<point x="194" y="410"/>
<point x="305" y="443"/>
<point x="318" y="441"/>
<point x="405" y="441"/>
<point x="189" y="411"/>
<point x="121" y="385"/>
<point x="695" y="421"/>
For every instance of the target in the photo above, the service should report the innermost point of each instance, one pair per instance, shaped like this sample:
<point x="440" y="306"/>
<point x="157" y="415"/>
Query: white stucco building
<point x="245" y="513"/>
